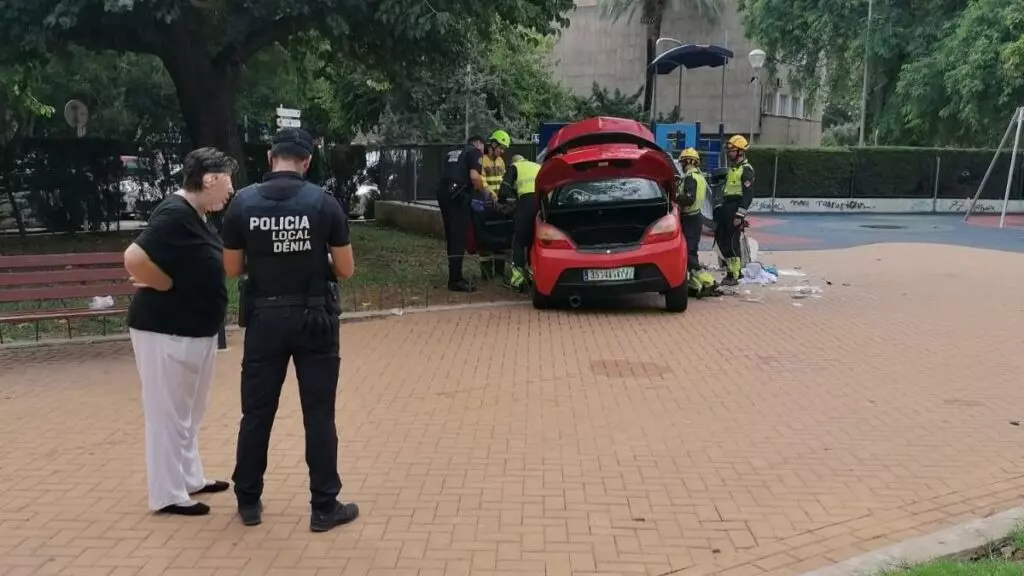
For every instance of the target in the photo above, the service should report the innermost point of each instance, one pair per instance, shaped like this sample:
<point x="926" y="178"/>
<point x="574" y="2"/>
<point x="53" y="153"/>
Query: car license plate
<point x="608" y="274"/>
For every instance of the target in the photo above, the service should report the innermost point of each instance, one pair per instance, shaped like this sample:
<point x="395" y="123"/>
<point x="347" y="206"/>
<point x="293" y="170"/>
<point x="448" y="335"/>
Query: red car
<point x="607" y="222"/>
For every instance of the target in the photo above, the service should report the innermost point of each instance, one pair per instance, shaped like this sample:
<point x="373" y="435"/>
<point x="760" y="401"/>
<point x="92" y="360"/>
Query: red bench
<point x="56" y="279"/>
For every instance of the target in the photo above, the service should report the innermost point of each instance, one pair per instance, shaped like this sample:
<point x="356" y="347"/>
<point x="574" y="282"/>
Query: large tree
<point x="941" y="72"/>
<point x="205" y="44"/>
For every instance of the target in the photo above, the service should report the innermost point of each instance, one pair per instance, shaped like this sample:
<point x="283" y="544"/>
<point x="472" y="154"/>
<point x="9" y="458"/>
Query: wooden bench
<point x="58" y="278"/>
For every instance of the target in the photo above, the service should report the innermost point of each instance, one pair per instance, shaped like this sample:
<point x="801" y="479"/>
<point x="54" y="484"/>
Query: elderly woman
<point x="177" y="264"/>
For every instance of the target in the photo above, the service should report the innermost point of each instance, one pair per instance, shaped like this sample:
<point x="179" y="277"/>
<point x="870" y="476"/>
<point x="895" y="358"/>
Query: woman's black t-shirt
<point x="188" y="250"/>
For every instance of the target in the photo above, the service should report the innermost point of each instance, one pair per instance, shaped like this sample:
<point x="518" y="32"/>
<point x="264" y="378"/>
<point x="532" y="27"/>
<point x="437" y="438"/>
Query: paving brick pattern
<point x="740" y="439"/>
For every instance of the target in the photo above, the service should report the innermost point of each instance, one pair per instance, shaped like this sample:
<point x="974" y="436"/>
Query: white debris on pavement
<point x="754" y="273"/>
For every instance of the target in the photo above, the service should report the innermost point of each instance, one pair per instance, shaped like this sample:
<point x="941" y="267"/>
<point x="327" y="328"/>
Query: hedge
<point x="881" y="172"/>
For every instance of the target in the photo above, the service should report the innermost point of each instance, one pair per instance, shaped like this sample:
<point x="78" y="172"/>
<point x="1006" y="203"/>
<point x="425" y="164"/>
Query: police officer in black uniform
<point x="461" y="176"/>
<point x="292" y="240"/>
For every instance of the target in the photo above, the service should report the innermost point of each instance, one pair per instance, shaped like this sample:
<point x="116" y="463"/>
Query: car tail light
<point x="551" y="237"/>
<point x="665" y="229"/>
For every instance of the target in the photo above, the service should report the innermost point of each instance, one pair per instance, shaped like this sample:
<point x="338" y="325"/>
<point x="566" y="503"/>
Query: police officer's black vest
<point x="286" y="237"/>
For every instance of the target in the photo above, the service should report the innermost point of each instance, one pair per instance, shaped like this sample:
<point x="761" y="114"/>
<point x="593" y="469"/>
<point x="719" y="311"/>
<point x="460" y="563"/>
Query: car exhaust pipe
<point x="575" y="301"/>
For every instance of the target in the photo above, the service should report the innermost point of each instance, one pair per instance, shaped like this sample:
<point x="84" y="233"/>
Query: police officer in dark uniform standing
<point x="462" y="175"/>
<point x="292" y="240"/>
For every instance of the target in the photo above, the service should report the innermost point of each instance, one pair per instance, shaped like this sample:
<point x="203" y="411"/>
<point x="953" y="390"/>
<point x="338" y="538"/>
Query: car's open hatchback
<point x="607" y="223"/>
<point x="604" y="182"/>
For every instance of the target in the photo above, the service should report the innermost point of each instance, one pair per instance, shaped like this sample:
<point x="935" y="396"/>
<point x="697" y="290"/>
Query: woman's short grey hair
<point x="201" y="162"/>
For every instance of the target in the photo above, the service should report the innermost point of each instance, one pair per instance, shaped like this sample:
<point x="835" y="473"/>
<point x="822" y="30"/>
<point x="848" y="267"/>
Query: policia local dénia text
<point x="289" y="233"/>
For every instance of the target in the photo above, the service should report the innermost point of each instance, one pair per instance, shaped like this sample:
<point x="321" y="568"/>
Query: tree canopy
<point x="941" y="72"/>
<point x="205" y="44"/>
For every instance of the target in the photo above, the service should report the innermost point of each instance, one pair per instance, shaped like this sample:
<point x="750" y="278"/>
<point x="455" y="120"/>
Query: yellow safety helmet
<point x="501" y="137"/>
<point x="690" y="154"/>
<point x="738" y="142"/>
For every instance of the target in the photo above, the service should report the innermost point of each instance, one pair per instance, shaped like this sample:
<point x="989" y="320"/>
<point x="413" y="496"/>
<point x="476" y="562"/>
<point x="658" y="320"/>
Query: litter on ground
<point x="754" y="273"/>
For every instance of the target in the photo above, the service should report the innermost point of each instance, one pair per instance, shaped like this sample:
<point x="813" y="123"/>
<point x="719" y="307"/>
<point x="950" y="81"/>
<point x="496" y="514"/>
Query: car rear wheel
<point x="677" y="299"/>
<point x="540" y="301"/>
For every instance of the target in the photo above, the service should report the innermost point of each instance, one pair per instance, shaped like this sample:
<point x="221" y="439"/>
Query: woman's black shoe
<point x="213" y="488"/>
<point x="197" y="509"/>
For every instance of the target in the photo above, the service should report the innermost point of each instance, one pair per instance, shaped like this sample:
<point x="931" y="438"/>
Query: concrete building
<point x="593" y="49"/>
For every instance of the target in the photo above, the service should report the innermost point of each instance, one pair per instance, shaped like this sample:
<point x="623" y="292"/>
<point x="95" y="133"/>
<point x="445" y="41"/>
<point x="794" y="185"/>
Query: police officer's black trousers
<point x="455" y="216"/>
<point x="693" y="226"/>
<point x="272" y="338"/>
<point x="522" y="238"/>
<point x="726" y="235"/>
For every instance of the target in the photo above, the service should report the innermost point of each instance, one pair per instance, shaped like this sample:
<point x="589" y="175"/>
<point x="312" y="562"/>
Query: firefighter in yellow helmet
<point x="519" y="186"/>
<point x="736" y="199"/>
<point x="693" y="189"/>
<point x="492" y="265"/>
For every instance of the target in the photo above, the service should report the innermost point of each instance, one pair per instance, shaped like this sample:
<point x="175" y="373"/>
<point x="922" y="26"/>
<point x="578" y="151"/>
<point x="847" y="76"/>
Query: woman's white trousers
<point x="176" y="374"/>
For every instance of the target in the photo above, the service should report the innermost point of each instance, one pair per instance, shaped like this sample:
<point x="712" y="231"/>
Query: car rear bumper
<point x="648" y="278"/>
<point x="657" y="268"/>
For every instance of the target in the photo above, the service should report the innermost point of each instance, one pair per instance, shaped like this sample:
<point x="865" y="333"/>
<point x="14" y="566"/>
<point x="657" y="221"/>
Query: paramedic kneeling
<point x="292" y="240"/>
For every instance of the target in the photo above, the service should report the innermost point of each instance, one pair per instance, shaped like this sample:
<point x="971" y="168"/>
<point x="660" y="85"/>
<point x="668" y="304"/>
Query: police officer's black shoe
<point x="461" y="286"/>
<point x="342" y="514"/>
<point x="251" y="514"/>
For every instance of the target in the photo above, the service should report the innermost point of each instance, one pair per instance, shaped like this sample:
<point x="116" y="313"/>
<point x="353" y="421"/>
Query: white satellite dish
<point x="76" y="113"/>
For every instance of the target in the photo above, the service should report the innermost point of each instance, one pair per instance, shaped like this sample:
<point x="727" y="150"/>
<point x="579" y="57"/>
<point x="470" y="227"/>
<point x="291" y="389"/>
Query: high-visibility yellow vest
<point x="526" y="177"/>
<point x="702" y="190"/>
<point x="734" y="179"/>
<point x="494" y="171"/>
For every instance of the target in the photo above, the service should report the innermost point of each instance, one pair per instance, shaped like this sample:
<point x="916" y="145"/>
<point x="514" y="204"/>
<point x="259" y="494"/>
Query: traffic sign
<point x="289" y="113"/>
<point x="289" y="123"/>
<point x="535" y="138"/>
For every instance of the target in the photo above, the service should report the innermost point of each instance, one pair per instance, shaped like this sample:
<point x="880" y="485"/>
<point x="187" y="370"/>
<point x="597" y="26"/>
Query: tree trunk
<point x="206" y="94"/>
<point x="654" y="15"/>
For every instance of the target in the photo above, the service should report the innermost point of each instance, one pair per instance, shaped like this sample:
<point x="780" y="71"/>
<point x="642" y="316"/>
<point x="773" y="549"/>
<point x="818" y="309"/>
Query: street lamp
<point x="757" y="58"/>
<point x="679" y="98"/>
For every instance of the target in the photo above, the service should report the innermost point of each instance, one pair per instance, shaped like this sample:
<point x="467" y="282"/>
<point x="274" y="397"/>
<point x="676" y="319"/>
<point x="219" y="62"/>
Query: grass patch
<point x="1001" y="558"/>
<point x="394" y="269"/>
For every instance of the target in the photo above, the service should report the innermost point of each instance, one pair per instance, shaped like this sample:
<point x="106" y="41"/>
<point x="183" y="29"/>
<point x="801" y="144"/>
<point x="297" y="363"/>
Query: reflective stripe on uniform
<point x="734" y="180"/>
<point x="702" y="189"/>
<point x="526" y="177"/>
<point x="494" y="171"/>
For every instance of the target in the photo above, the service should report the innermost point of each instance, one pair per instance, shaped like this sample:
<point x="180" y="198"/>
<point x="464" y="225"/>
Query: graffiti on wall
<point x="820" y="205"/>
<point x="960" y="206"/>
<point x="882" y="206"/>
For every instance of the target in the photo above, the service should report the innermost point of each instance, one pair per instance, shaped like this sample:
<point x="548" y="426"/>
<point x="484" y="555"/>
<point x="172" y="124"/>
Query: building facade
<point x="613" y="54"/>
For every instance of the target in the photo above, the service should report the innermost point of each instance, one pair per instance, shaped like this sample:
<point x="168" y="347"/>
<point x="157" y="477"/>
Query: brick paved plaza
<point x="742" y="438"/>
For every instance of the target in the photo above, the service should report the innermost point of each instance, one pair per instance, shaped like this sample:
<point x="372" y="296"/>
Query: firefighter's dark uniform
<point x="453" y="199"/>
<point x="290" y="310"/>
<point x="519" y="183"/>
<point x="737" y="196"/>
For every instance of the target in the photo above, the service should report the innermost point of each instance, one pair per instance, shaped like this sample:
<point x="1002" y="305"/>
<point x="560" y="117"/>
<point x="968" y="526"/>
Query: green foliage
<point x="941" y="72"/>
<point x="603" y="102"/>
<point x="841" y="135"/>
<point x="205" y="44"/>
<point x="130" y="96"/>
<point x="511" y="86"/>
<point x="18" y="104"/>
<point x="803" y="172"/>
<point x="881" y="172"/>
<point x="953" y="568"/>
